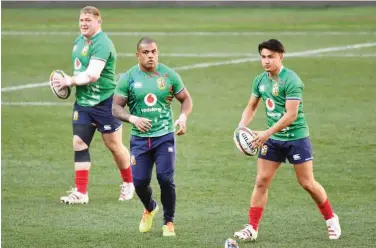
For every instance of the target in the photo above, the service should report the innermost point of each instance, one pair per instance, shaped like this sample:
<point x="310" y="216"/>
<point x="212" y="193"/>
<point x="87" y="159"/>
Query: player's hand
<point x="182" y="123"/>
<point x="62" y="83"/>
<point x="142" y="124"/>
<point x="261" y="138"/>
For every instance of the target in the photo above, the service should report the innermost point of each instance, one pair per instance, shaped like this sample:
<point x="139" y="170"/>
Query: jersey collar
<point x="100" y="30"/>
<point x="149" y="73"/>
<point x="280" y="70"/>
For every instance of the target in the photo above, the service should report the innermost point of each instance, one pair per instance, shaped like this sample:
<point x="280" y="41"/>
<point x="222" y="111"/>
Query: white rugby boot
<point x="75" y="197"/>
<point x="334" y="229"/>
<point x="126" y="191"/>
<point x="248" y="233"/>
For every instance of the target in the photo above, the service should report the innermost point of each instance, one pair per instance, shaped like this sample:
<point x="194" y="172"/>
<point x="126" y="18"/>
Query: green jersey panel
<point x="275" y="92"/>
<point x="99" y="47"/>
<point x="150" y="96"/>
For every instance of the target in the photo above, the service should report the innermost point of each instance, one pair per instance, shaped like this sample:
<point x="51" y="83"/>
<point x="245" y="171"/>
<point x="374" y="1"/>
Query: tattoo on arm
<point x="118" y="108"/>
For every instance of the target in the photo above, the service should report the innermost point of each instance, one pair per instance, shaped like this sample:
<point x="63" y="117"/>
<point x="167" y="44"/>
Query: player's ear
<point x="281" y="55"/>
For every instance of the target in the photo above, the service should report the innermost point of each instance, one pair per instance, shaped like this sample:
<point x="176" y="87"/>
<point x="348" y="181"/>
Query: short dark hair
<point x="273" y="45"/>
<point x="145" y="40"/>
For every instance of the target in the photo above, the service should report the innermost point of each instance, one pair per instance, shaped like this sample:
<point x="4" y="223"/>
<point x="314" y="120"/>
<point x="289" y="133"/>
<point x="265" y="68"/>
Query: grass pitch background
<point x="213" y="179"/>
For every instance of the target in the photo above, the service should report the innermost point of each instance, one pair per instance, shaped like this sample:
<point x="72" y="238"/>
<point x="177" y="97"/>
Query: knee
<point x="79" y="144"/>
<point x="82" y="156"/>
<point x="141" y="183"/>
<point x="307" y="184"/>
<point x="166" y="179"/>
<point x="114" y="146"/>
<point x="262" y="182"/>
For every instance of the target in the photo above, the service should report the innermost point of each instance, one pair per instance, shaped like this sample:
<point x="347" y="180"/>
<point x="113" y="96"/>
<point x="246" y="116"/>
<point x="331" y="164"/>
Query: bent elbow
<point x="294" y="117"/>
<point x="93" y="78"/>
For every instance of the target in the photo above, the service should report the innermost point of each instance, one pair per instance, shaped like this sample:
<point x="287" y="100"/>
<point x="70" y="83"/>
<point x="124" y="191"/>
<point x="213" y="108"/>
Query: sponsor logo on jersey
<point x="150" y="99"/>
<point x="146" y="110"/>
<point x="264" y="150"/>
<point x="262" y="88"/>
<point x="74" y="48"/>
<point x="107" y="127"/>
<point x="275" y="89"/>
<point x="161" y="83"/>
<point x="270" y="105"/>
<point x="170" y="149"/>
<point x="77" y="64"/>
<point x="272" y="114"/>
<point x="75" y="115"/>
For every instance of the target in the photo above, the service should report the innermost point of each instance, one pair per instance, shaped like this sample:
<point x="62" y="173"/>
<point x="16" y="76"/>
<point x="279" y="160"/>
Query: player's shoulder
<point x="102" y="38"/>
<point x="260" y="77"/>
<point x="78" y="38"/>
<point x="291" y="76"/>
<point x="163" y="67"/>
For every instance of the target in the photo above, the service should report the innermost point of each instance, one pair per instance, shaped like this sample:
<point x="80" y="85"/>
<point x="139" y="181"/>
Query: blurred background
<point x="213" y="46"/>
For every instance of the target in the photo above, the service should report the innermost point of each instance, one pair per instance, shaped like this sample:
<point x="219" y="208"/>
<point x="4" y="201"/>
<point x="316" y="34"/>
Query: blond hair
<point x="91" y="10"/>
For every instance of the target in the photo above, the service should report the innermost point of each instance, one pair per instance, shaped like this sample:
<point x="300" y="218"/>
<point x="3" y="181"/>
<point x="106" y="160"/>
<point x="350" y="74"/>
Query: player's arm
<point x="186" y="103"/>
<point x="99" y="55"/>
<point x="183" y="96"/>
<point x="91" y="74"/>
<point x="118" y="108"/>
<point x="249" y="111"/>
<point x="292" y="107"/>
<point x="119" y="111"/>
<point x="120" y="99"/>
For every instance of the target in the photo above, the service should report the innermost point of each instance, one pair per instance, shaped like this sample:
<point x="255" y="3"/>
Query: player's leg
<point x="111" y="129"/>
<point x="301" y="156"/>
<point x="83" y="132"/>
<point x="142" y="163"/>
<point x="269" y="160"/>
<point x="165" y="162"/>
<point x="120" y="153"/>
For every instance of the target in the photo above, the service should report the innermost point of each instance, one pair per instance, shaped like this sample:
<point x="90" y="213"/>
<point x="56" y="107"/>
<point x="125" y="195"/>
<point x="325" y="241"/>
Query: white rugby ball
<point x="243" y="138"/>
<point x="230" y="243"/>
<point x="62" y="93"/>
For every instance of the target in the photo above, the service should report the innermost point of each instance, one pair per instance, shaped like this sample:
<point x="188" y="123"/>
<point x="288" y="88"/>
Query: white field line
<point x="366" y="55"/>
<point x="289" y="33"/>
<point x="232" y="55"/>
<point x="195" y="55"/>
<point x="226" y="62"/>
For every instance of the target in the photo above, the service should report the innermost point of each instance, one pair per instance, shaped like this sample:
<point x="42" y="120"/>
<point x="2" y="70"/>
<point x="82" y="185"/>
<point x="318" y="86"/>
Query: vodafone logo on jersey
<point x="150" y="99"/>
<point x="270" y="105"/>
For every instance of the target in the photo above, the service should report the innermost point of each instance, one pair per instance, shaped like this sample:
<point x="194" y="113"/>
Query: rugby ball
<point x="230" y="243"/>
<point x="243" y="138"/>
<point x="62" y="93"/>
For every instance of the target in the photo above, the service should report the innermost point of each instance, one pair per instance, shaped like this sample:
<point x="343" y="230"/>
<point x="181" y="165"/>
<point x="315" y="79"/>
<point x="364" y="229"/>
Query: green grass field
<point x="213" y="179"/>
